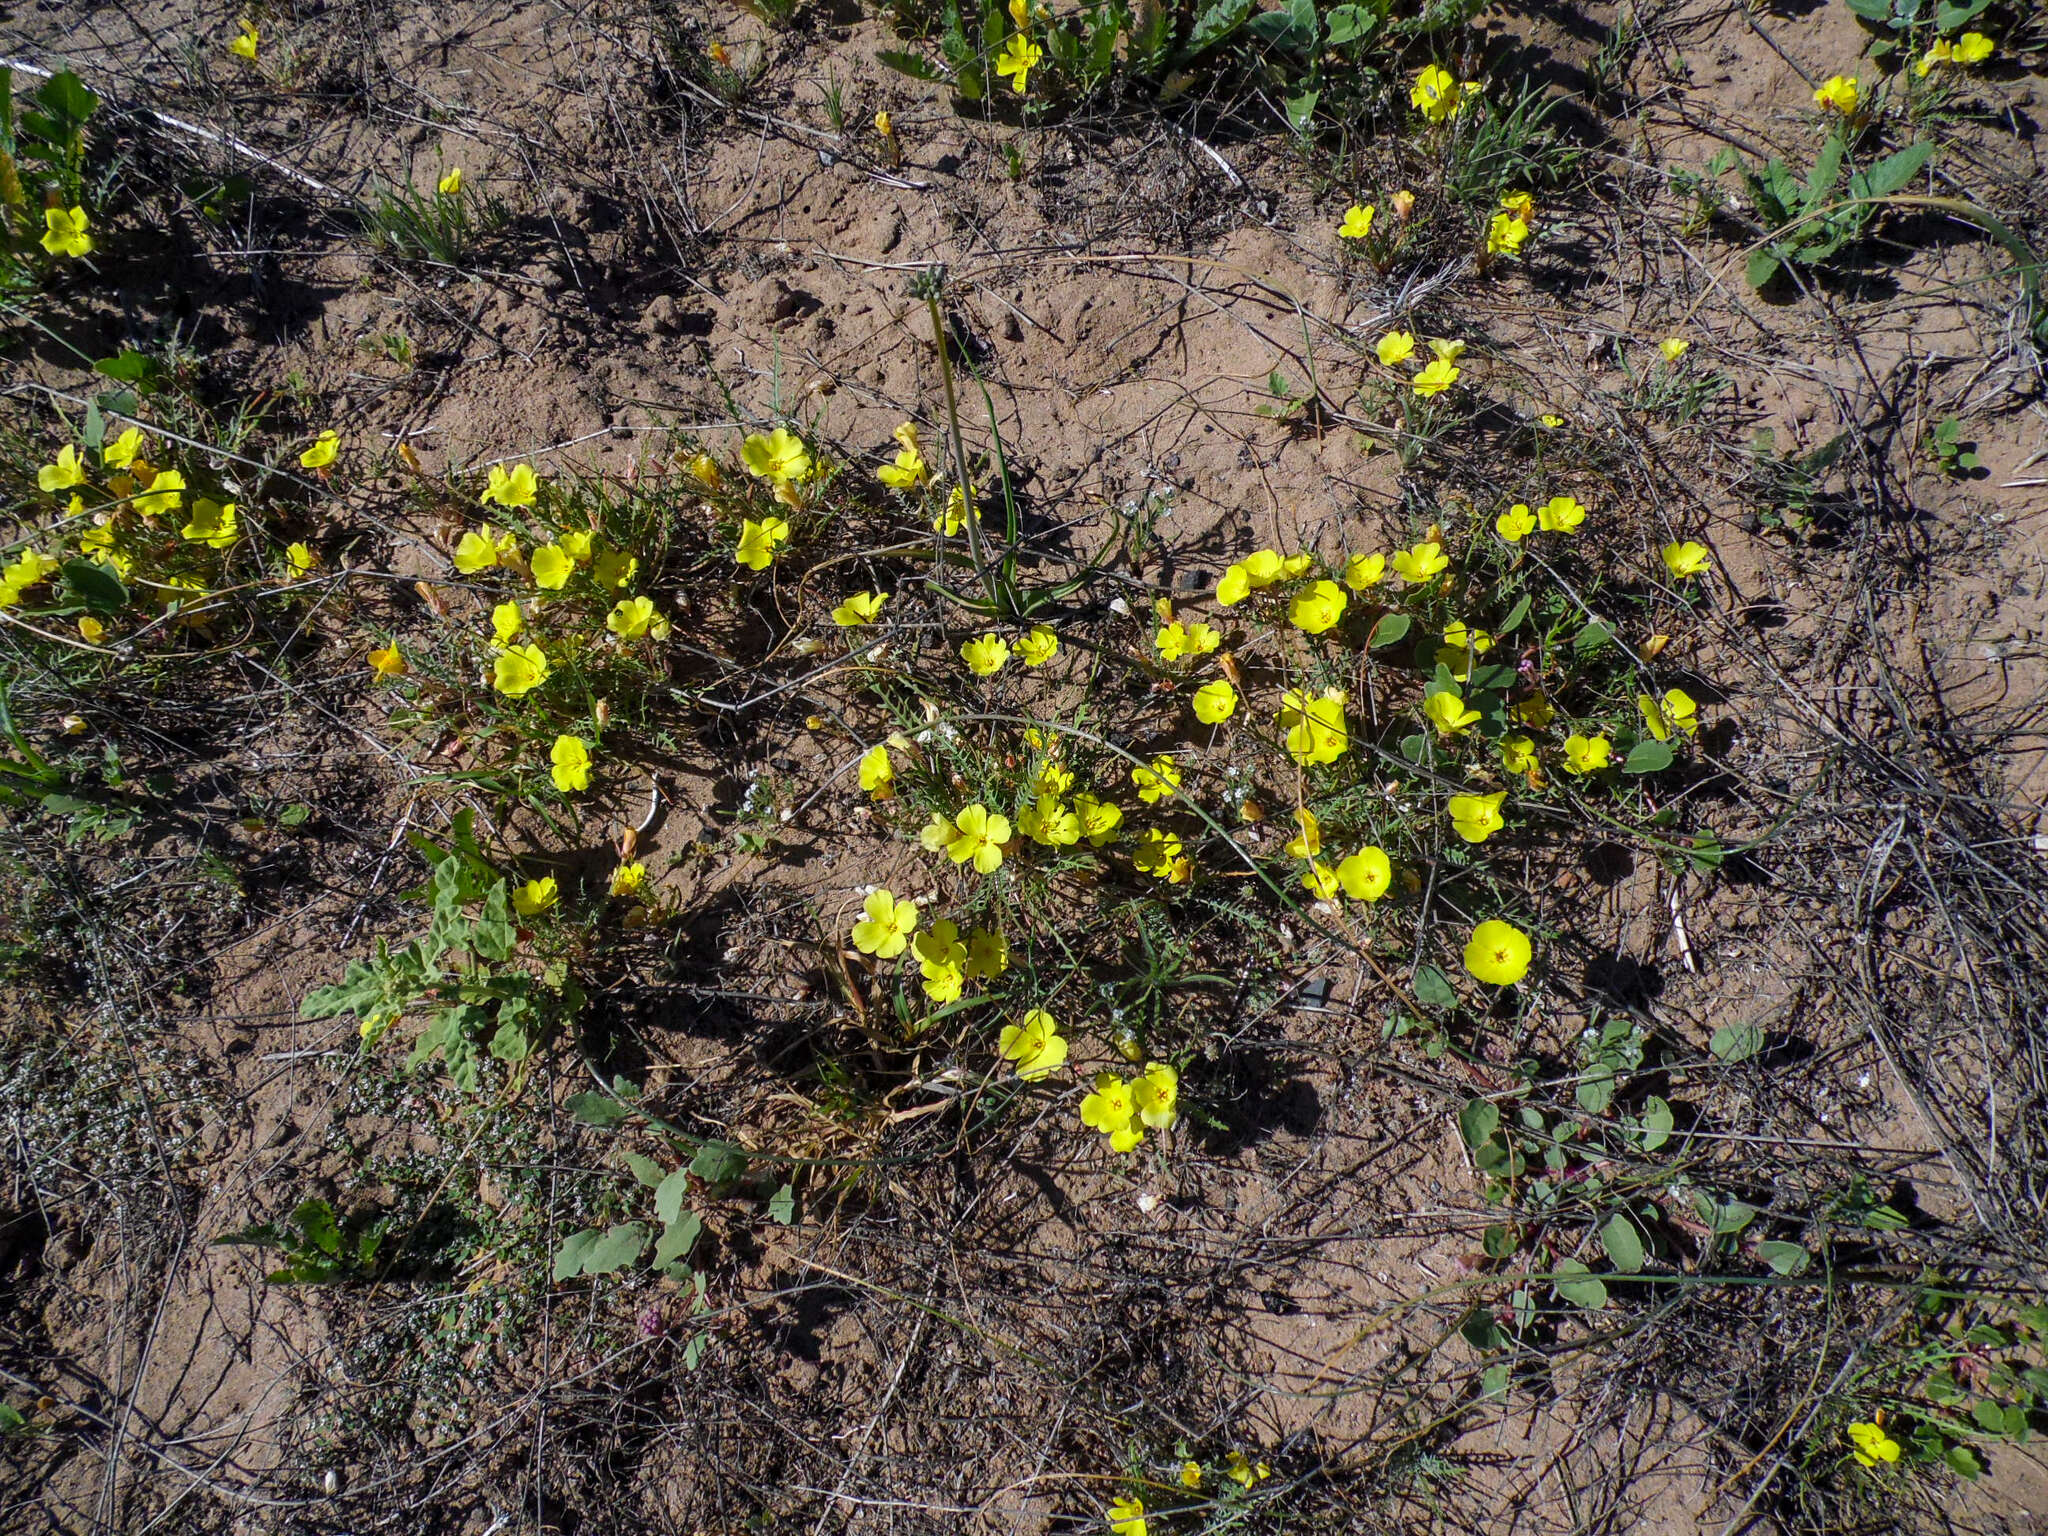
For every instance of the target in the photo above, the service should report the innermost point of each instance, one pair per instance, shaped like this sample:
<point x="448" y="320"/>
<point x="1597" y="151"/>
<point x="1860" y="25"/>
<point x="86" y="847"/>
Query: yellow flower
<point x="1046" y="821"/>
<point x="1552" y="422"/>
<point x="1318" y="609"/>
<point x="1191" y="1474"/>
<point x="861" y="608"/>
<point x="1215" y="702"/>
<point x="1673" y="348"/>
<point x="1973" y="48"/>
<point x="1560" y="514"/>
<point x="1517" y="754"/>
<point x="631" y="617"/>
<point x="1461" y="645"/>
<point x="481" y="548"/>
<point x="552" y="567"/>
<point x="515" y="487"/>
<point x="979" y="835"/>
<point x="1475" y="818"/>
<point x="1176" y="641"/>
<point x="1447" y="712"/>
<point x="64" y="232"/>
<point x="92" y="630"/>
<point x="1366" y="875"/>
<point x="1126" y="1516"/>
<point x="1425" y="562"/>
<point x="1362" y="571"/>
<point x="613" y="569"/>
<point x="954" y="517"/>
<point x="705" y="468"/>
<point x="1155" y="1094"/>
<point x="1317" y="731"/>
<point x="1435" y="378"/>
<point x="1505" y="235"/>
<point x="1038" y="647"/>
<point x="1498" y="953"/>
<point x="780" y="457"/>
<point x="1019" y="57"/>
<point x="1395" y="347"/>
<point x="1308" y="842"/>
<point x="1870" y="1444"/>
<point x="629" y="879"/>
<point x="451" y="184"/>
<point x="1242" y="1472"/>
<point x="1320" y="881"/>
<point x="299" y="560"/>
<point x="68" y="471"/>
<point x="1677" y="712"/>
<point x="937" y="833"/>
<point x="1053" y="779"/>
<point x="886" y="929"/>
<point x="988" y="954"/>
<point x="758" y="542"/>
<point x="1437" y="95"/>
<point x="883" y="126"/>
<point x="245" y="45"/>
<point x="1686" y="559"/>
<point x="506" y="623"/>
<point x="1838" y="94"/>
<point x="1357" y="222"/>
<point x="939" y="952"/>
<point x="163" y="495"/>
<point x="986" y="655"/>
<point x="1535" y="711"/>
<point x="212" y="524"/>
<point x="1515" y="524"/>
<point x="1035" y="1045"/>
<point x="1157" y="782"/>
<point x="877" y="773"/>
<point x="1518" y="205"/>
<point x="909" y="470"/>
<point x="1587" y="754"/>
<point x="1099" y="819"/>
<point x="121" y="452"/>
<point x="1110" y="1109"/>
<point x="323" y="451"/>
<point x="536" y="896"/>
<point x="518" y="670"/>
<point x="388" y="662"/>
<point x="571" y="760"/>
<point x="1159" y="855"/>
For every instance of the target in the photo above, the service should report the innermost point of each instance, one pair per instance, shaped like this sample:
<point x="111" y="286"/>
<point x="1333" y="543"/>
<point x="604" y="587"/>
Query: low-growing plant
<point x="442" y="225"/>
<point x="47" y="216"/>
<point x="465" y="978"/>
<point x="1808" y="222"/>
<point x="1953" y="454"/>
<point x="318" y="1248"/>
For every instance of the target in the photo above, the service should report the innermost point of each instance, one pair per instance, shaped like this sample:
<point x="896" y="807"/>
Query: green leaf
<point x="130" y="367"/>
<point x="1647" y="756"/>
<point x="1290" y="29"/>
<point x="598" y="1109"/>
<point x="616" y="1249"/>
<point x="782" y="1205"/>
<point x="669" y="1194"/>
<point x="65" y="97"/>
<point x="1493" y="1381"/>
<point x="12" y="1421"/>
<point x="1736" y="1042"/>
<point x="315" y="1218"/>
<point x="495" y="934"/>
<point x="1658" y="1124"/>
<point x="1301" y="110"/>
<point x="1989" y="1416"/>
<point x="1515" y="616"/>
<point x="1478" y="1119"/>
<point x="94" y="586"/>
<point x="1761" y="267"/>
<point x="570" y="1256"/>
<point x="1482" y="1332"/>
<point x="1879" y="11"/>
<point x="1596" y="1090"/>
<point x="1414" y="748"/>
<point x="1623" y="1243"/>
<point x="1963" y="1461"/>
<point x="1893" y="171"/>
<point x="1215" y="23"/>
<point x="912" y="64"/>
<point x="719" y="1162"/>
<point x="1346" y="24"/>
<point x="1592" y="638"/>
<point x="1576" y="1284"/>
<point x="1433" y="989"/>
<point x="1725" y="1217"/>
<point x="645" y="1169"/>
<point x="678" y="1237"/>
<point x="1784" y="1258"/>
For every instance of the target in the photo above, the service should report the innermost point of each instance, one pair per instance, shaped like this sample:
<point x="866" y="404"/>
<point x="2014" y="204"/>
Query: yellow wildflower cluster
<point x="1436" y="375"/>
<point x="1124" y="1109"/>
<point x="946" y="960"/>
